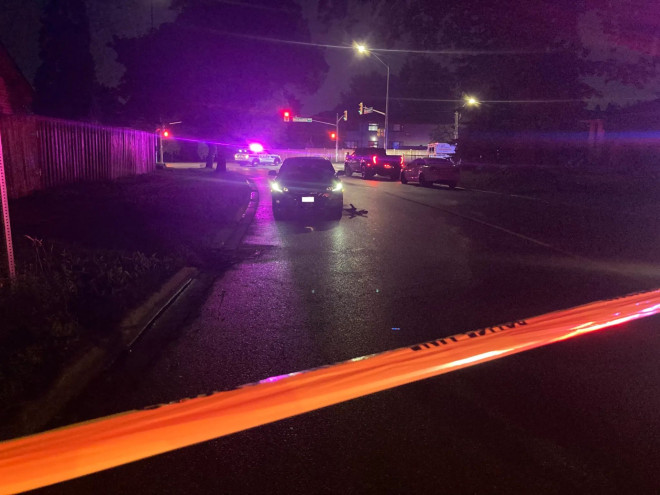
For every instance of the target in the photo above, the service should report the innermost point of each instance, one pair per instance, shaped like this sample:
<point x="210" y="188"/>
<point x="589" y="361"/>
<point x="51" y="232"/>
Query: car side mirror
<point x="340" y="173"/>
<point x="272" y="173"/>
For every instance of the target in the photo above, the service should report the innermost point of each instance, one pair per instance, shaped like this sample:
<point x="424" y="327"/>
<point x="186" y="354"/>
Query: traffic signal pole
<point x="337" y="138"/>
<point x="344" y="116"/>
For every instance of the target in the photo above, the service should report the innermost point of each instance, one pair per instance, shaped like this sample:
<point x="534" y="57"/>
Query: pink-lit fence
<point x="40" y="152"/>
<point x="329" y="153"/>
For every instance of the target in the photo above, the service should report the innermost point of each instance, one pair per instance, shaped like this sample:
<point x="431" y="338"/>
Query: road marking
<point x="493" y="226"/>
<point x="77" y="450"/>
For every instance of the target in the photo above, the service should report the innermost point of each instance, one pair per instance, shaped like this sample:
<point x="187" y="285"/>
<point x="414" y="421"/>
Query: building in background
<point x="401" y="135"/>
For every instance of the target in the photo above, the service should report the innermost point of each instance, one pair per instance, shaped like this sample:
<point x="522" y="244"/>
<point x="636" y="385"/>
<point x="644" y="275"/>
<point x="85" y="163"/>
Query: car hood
<point x="296" y="184"/>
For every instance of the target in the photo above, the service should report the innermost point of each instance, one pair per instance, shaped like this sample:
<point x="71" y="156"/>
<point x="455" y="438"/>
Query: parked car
<point x="307" y="184"/>
<point x="428" y="171"/>
<point x="373" y="161"/>
<point x="245" y="156"/>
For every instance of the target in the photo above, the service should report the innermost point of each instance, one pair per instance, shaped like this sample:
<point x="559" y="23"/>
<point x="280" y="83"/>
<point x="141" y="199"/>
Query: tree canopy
<point x="527" y="59"/>
<point x="220" y="68"/>
<point x="65" y="81"/>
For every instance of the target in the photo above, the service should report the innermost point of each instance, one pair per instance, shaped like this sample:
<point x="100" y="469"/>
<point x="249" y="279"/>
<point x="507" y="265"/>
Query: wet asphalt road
<point x="579" y="416"/>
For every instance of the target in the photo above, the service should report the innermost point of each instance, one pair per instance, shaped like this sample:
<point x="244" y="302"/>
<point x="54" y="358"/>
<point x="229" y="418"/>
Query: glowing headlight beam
<point x="338" y="186"/>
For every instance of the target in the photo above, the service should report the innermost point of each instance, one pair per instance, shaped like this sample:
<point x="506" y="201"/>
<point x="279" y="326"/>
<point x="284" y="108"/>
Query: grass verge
<point x="581" y="187"/>
<point x="88" y="254"/>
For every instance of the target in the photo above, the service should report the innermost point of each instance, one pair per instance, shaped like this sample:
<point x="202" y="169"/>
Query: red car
<point x="428" y="171"/>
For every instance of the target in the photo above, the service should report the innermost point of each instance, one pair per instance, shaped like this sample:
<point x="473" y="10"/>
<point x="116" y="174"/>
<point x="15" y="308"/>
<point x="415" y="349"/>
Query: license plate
<point x="308" y="199"/>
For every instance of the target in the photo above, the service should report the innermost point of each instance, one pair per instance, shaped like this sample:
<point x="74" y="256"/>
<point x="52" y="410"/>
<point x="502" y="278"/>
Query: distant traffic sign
<point x="302" y="119"/>
<point x="368" y="109"/>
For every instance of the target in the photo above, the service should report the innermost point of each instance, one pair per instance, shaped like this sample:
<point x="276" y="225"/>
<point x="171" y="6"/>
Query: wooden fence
<point x="40" y="152"/>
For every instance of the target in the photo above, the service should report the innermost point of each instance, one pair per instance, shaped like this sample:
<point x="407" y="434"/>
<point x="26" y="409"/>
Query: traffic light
<point x="166" y="133"/>
<point x="286" y="115"/>
<point x="345" y="115"/>
<point x="361" y="111"/>
<point x="333" y="136"/>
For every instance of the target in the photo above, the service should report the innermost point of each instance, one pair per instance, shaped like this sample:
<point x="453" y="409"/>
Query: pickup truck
<point x="373" y="161"/>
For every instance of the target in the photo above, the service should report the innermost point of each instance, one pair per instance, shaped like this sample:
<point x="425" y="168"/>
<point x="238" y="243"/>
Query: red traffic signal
<point x="333" y="136"/>
<point x="166" y="133"/>
<point x="286" y="115"/>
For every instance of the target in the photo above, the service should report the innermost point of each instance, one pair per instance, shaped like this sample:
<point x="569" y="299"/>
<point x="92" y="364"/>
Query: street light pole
<point x="387" y="101"/>
<point x="387" y="97"/>
<point x="363" y="49"/>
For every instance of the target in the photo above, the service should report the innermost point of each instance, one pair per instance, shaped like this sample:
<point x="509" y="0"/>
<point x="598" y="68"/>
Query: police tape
<point x="77" y="450"/>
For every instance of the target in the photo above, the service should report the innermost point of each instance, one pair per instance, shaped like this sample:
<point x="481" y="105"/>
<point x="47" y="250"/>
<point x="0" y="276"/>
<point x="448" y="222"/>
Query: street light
<point x="471" y="101"/>
<point x="362" y="49"/>
<point x="468" y="101"/>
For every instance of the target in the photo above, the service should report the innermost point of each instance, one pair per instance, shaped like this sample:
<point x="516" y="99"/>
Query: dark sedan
<point x="307" y="184"/>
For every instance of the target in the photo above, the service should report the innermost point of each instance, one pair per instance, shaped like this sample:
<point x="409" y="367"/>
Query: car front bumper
<point x="327" y="201"/>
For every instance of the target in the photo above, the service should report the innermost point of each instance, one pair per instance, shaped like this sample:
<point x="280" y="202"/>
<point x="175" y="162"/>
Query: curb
<point x="37" y="413"/>
<point x="141" y="318"/>
<point x="244" y="220"/>
<point x="72" y="381"/>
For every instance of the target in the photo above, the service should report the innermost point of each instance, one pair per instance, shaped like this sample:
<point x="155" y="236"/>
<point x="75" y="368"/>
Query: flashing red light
<point x="287" y="115"/>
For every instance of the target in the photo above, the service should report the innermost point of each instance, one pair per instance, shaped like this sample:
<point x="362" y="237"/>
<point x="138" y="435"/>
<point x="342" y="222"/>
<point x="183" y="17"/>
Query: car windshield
<point x="306" y="169"/>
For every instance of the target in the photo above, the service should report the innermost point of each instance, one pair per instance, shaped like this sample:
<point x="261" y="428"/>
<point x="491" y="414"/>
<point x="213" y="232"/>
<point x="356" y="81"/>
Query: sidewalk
<point x="101" y="261"/>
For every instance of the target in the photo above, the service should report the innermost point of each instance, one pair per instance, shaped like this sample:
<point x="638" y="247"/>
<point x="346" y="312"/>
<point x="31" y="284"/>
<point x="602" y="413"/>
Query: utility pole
<point x="160" y="145"/>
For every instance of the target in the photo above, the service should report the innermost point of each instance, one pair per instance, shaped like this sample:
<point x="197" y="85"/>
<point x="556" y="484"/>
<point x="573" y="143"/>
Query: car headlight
<point x="338" y="186"/>
<point x="274" y="186"/>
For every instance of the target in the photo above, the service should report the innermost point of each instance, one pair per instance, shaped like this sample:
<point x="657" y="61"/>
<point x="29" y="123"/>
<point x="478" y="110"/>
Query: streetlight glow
<point x="361" y="48"/>
<point x="471" y="101"/>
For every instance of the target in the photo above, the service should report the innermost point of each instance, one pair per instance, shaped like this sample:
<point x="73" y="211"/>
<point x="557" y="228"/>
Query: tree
<point x="65" y="81"/>
<point x="626" y="39"/>
<point x="525" y="60"/>
<point x="423" y="85"/>
<point x="220" y="68"/>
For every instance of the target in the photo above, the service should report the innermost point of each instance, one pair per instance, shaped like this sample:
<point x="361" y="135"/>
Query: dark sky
<point x="20" y="23"/>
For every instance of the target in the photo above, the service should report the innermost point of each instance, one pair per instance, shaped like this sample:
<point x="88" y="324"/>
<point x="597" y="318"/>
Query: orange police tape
<point x="58" y="455"/>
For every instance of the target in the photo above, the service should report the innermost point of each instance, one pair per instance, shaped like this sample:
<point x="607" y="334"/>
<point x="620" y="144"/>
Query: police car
<point x="254" y="157"/>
